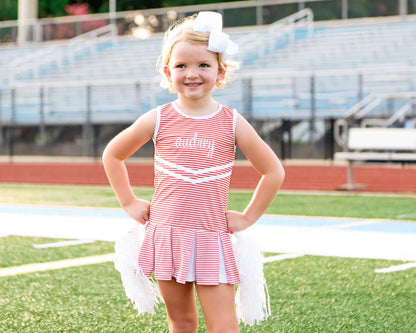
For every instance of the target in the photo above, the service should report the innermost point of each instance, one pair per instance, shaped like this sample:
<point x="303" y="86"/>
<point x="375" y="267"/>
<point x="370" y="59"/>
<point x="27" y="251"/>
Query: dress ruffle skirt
<point x="173" y="252"/>
<point x="168" y="252"/>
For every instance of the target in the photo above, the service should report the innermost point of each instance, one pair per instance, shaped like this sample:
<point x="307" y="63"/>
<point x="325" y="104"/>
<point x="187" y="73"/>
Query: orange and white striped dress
<point x="186" y="237"/>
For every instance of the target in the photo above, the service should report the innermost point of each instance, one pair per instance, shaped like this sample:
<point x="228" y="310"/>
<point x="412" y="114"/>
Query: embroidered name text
<point x="196" y="143"/>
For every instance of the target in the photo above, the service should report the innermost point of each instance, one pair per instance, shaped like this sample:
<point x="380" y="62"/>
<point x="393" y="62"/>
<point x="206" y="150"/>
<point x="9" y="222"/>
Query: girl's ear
<point x="166" y="71"/>
<point x="221" y="73"/>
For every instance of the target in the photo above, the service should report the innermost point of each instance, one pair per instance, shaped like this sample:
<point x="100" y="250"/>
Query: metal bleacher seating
<point x="347" y="60"/>
<point x="337" y="62"/>
<point x="349" y="46"/>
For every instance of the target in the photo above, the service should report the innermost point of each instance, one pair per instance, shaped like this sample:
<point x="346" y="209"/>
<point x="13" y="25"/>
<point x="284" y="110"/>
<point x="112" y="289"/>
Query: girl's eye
<point x="204" y="65"/>
<point x="180" y="66"/>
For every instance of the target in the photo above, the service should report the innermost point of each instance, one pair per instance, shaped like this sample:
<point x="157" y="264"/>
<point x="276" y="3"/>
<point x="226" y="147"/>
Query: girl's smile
<point x="193" y="71"/>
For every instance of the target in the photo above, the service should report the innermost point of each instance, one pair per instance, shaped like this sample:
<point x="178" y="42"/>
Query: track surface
<point x="308" y="176"/>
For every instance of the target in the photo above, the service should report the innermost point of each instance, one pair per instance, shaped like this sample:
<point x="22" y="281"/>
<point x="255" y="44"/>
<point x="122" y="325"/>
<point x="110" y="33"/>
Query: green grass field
<point x="308" y="294"/>
<point x="340" y="205"/>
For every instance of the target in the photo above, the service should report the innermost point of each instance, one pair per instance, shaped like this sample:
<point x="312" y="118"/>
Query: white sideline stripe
<point x="62" y="244"/>
<point x="56" y="264"/>
<point x="281" y="257"/>
<point x="324" y="227"/>
<point x="396" y="268"/>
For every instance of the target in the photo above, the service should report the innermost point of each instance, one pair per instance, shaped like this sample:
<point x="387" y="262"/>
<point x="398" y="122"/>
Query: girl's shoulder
<point x="167" y="109"/>
<point x="229" y="109"/>
<point x="148" y="117"/>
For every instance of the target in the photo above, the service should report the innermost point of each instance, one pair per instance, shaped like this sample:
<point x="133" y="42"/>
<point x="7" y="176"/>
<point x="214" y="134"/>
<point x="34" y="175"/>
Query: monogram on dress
<point x="196" y="143"/>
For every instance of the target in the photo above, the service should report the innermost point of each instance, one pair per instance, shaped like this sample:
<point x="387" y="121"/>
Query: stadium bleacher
<point x="321" y="72"/>
<point x="341" y="46"/>
<point x="349" y="46"/>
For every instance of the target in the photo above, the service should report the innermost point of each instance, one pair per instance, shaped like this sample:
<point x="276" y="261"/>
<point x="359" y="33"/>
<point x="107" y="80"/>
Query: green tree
<point x="8" y="10"/>
<point x="324" y="10"/>
<point x="52" y="8"/>
<point x="123" y="5"/>
<point x="190" y="2"/>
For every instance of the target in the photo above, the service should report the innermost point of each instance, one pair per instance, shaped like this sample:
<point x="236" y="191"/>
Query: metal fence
<point x="258" y="95"/>
<point x="298" y="107"/>
<point x="240" y="13"/>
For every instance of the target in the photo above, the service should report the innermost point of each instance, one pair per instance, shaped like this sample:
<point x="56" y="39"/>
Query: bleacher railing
<point x="303" y="17"/>
<point x="378" y="110"/>
<point x="266" y="98"/>
<point x="259" y="95"/>
<point x="238" y="13"/>
<point x="280" y="32"/>
<point x="31" y="66"/>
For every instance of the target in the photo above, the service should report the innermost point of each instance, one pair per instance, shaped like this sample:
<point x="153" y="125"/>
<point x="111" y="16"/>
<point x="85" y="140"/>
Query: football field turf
<point x="350" y="271"/>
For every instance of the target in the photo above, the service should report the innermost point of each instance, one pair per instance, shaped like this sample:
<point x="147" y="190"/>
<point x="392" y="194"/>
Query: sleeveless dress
<point x="186" y="237"/>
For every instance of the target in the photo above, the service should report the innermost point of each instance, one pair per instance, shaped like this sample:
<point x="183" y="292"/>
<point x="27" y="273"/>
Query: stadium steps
<point x="335" y="47"/>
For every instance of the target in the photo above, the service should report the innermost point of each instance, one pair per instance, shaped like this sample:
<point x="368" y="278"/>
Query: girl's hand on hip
<point x="138" y="210"/>
<point x="237" y="221"/>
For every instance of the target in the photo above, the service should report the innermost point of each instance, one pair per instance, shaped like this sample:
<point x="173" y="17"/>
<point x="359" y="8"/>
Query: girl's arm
<point x="267" y="164"/>
<point x="118" y="149"/>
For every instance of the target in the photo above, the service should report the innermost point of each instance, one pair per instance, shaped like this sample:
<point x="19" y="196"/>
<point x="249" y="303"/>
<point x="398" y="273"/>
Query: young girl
<point x="187" y="239"/>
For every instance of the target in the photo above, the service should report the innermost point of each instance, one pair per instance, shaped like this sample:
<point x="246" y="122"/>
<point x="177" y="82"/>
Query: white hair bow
<point x="218" y="41"/>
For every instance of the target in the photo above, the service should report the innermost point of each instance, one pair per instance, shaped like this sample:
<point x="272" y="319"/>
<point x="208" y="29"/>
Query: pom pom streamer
<point x="252" y="297"/>
<point x="142" y="291"/>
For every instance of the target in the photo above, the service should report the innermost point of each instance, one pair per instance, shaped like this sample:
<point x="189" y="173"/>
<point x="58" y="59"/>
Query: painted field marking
<point x="396" y="268"/>
<point x="23" y="269"/>
<point x="406" y="216"/>
<point x="326" y="227"/>
<point x="62" y="244"/>
<point x="354" y="224"/>
<point x="280" y="257"/>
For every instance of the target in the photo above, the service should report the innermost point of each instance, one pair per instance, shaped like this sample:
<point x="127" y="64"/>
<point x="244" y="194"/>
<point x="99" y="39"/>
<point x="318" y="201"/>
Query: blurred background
<point x="75" y="73"/>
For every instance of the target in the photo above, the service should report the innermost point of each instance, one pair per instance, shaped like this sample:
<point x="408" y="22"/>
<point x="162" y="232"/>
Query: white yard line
<point x="62" y="244"/>
<point x="343" y="237"/>
<point x="280" y="257"/>
<point x="396" y="268"/>
<point x="337" y="241"/>
<point x="297" y="230"/>
<point x="46" y="266"/>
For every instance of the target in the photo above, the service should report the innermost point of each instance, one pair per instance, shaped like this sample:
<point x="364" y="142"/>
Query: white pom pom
<point x="142" y="291"/>
<point x="252" y="297"/>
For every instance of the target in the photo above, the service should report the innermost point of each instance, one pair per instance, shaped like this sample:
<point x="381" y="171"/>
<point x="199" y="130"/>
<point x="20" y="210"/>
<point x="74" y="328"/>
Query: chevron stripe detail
<point x="176" y="169"/>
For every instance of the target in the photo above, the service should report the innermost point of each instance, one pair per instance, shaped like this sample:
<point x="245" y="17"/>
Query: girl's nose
<point x="192" y="73"/>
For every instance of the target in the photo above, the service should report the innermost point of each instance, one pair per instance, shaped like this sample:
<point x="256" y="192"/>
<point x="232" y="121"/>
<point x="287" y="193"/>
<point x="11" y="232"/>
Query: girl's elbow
<point x="105" y="155"/>
<point x="279" y="174"/>
<point x="282" y="171"/>
<point x="282" y="176"/>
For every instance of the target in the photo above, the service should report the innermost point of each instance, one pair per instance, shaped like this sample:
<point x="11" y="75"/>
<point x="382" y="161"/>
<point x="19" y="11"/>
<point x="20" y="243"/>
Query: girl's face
<point x="193" y="71"/>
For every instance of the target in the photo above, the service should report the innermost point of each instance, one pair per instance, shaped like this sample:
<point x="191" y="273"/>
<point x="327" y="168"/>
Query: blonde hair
<point x="183" y="31"/>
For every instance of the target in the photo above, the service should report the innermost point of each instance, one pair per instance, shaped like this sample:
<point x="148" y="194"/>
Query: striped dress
<point x="186" y="237"/>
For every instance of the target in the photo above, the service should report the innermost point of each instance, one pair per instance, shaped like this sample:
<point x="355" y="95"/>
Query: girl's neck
<point x="197" y="108"/>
